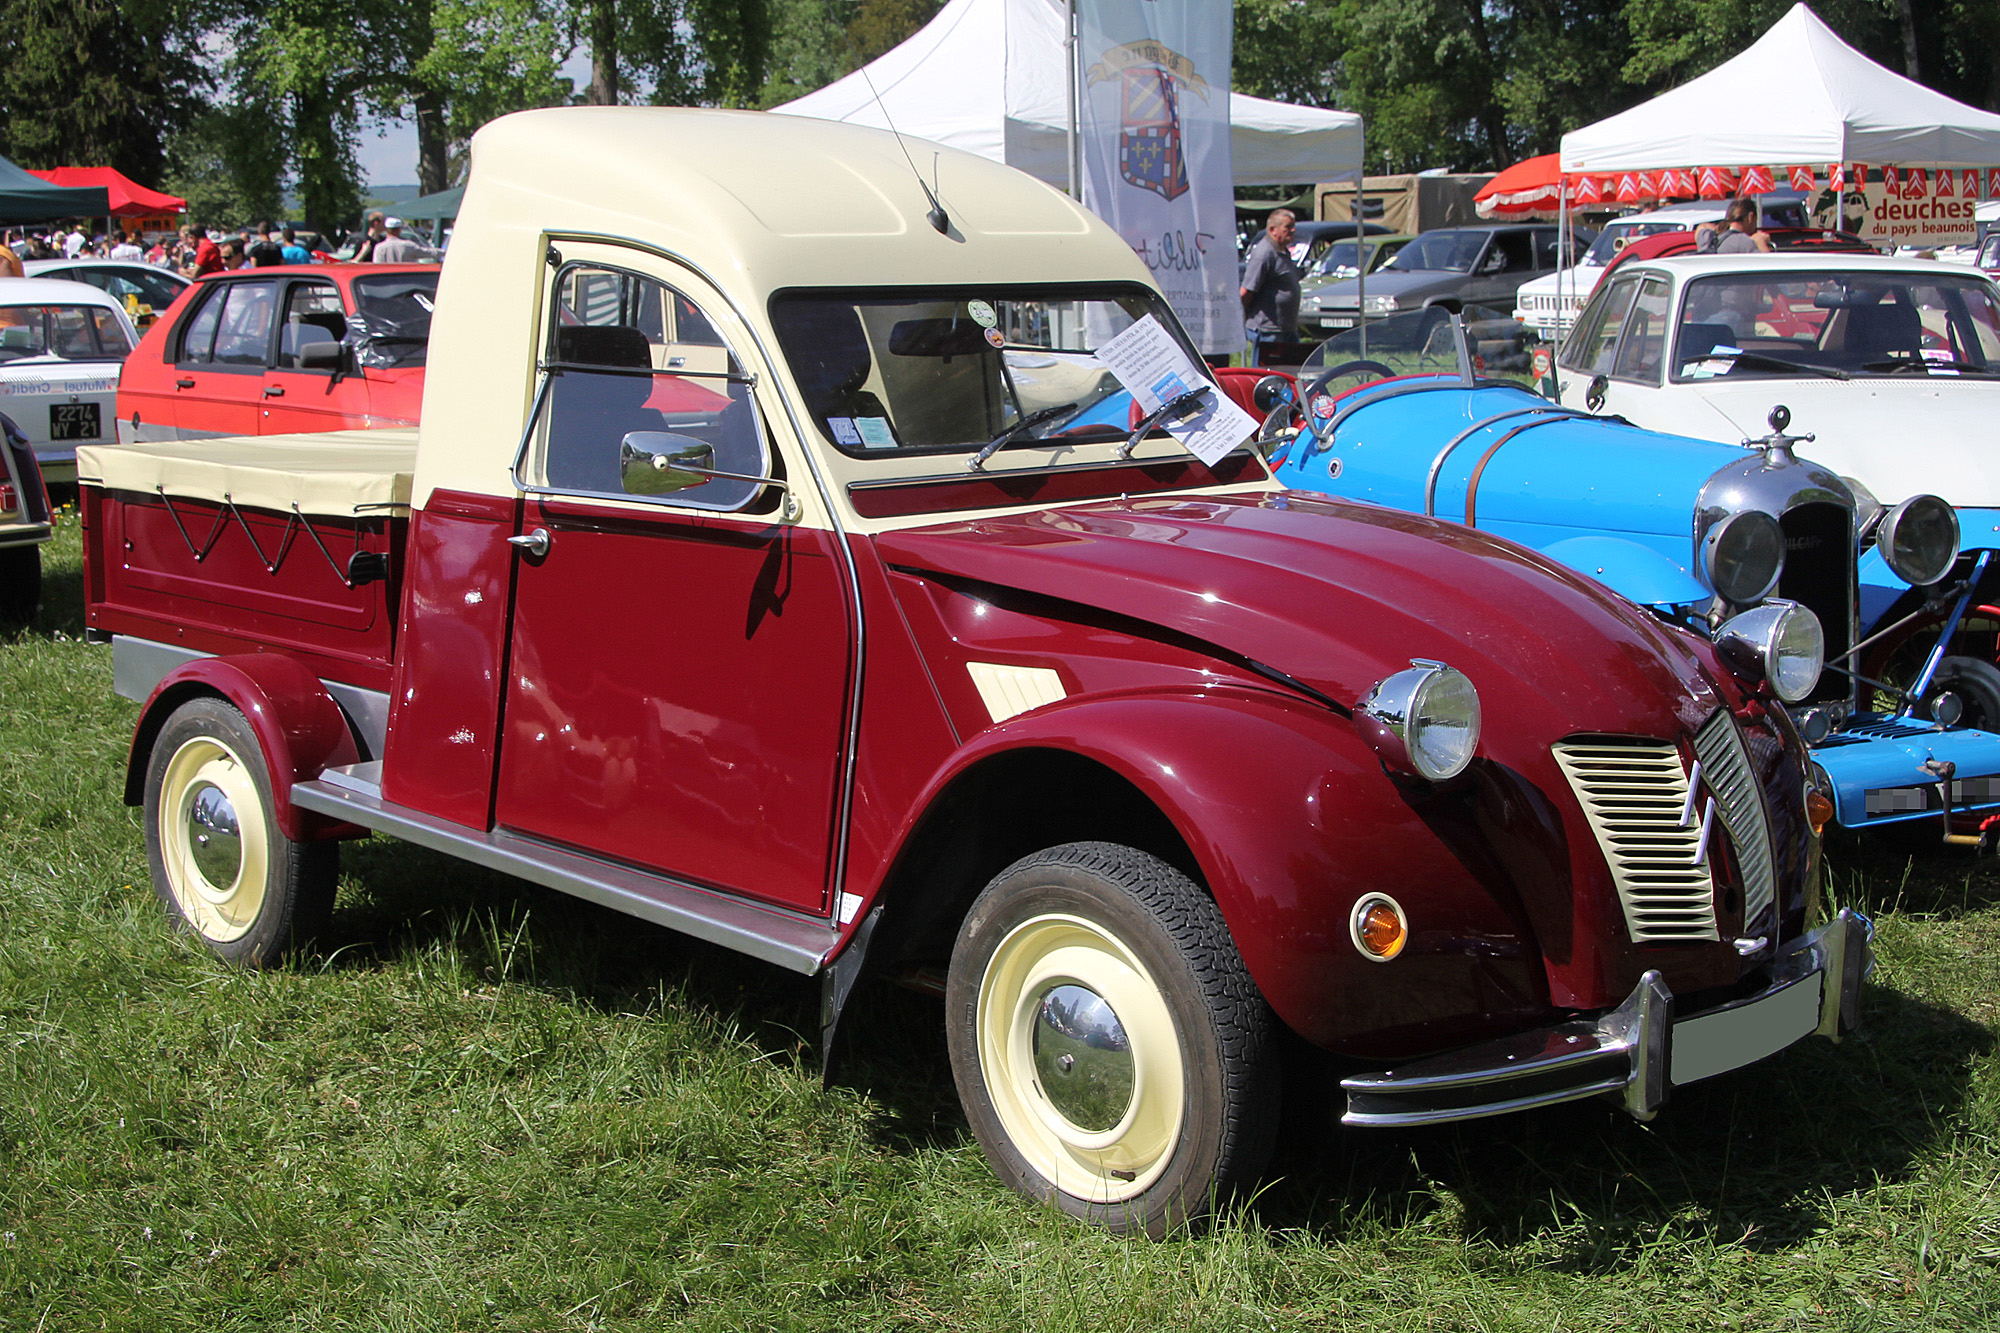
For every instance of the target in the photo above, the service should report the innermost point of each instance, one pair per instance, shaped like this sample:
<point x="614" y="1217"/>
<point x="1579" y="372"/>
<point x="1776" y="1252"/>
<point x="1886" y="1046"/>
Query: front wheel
<point x="1977" y="685"/>
<point x="220" y="863"/>
<point x="1112" y="1053"/>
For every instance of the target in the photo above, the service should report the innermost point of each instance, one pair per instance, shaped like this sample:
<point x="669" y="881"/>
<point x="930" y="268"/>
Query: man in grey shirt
<point x="1739" y="234"/>
<point x="1271" y="285"/>
<point x="393" y="249"/>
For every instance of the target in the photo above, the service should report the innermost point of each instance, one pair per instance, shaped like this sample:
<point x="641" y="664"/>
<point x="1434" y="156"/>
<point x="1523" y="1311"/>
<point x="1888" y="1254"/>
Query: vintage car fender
<point x="298" y="725"/>
<point x="1292" y="820"/>
<point x="1634" y="569"/>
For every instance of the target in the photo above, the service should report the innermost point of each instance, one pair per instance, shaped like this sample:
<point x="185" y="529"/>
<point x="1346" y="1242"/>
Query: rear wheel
<point x="20" y="584"/>
<point x="1113" y="1056"/>
<point x="220" y="862"/>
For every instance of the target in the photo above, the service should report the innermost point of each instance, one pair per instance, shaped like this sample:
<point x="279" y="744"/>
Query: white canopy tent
<point x="1796" y="94"/>
<point x="987" y="76"/>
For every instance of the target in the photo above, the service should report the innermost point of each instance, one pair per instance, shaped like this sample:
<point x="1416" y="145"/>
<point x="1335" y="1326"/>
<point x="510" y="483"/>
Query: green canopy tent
<point x="26" y="198"/>
<point x="439" y="207"/>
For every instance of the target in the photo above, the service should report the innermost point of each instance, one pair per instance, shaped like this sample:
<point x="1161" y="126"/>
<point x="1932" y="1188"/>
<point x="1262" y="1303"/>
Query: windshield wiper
<point x="1777" y="362"/>
<point x="1899" y="366"/>
<point x="1018" y="429"/>
<point x="1173" y="407"/>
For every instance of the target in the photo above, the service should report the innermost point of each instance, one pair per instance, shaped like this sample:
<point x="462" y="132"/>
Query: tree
<point x="674" y="52"/>
<point x="95" y="83"/>
<point x="808" y="50"/>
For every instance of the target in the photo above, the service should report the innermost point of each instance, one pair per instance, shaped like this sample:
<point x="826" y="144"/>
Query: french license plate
<point x="1715" y="1043"/>
<point x="74" y="421"/>
<point x="1337" y="322"/>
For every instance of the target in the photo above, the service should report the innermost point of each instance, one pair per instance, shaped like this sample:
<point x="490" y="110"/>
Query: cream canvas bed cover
<point x="337" y="474"/>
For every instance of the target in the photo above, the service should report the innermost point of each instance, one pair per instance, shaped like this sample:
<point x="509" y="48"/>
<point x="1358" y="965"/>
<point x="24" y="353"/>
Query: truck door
<point x="680" y="652"/>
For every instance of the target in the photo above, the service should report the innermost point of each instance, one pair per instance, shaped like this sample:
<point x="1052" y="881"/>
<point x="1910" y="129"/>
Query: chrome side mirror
<point x="656" y="462"/>
<point x="1593" y="397"/>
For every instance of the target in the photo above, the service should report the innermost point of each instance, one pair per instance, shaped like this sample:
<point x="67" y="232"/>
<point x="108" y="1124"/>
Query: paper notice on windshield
<point x="1154" y="370"/>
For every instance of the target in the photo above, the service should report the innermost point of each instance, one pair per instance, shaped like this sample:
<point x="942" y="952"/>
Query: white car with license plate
<point x="62" y="345"/>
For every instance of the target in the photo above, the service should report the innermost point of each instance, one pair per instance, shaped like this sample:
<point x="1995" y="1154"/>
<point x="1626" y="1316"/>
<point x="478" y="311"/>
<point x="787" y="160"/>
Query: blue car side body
<point x="1617" y="503"/>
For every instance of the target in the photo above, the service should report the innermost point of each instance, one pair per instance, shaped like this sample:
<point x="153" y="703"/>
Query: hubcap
<point x="1083" y="1058"/>
<point x="215" y="844"/>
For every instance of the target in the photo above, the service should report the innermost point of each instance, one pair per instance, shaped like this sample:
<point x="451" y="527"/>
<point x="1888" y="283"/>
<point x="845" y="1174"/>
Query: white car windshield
<point x="1852" y="325"/>
<point x="71" y="332"/>
<point x="1616" y="237"/>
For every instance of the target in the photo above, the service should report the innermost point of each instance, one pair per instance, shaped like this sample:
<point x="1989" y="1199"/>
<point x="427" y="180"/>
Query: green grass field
<point x="485" y="1106"/>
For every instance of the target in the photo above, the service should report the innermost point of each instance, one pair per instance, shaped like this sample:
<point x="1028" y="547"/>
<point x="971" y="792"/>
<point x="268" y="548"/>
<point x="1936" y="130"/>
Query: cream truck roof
<point x="756" y="202"/>
<point x="337" y="474"/>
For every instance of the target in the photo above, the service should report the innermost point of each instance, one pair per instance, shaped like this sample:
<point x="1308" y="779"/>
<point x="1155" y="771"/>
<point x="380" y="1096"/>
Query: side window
<point x="1640" y="354"/>
<point x="198" y="338"/>
<point x="1591" y="342"/>
<point x="243" y="337"/>
<point x="111" y="334"/>
<point x="313" y="314"/>
<point x="631" y="356"/>
<point x="1511" y="252"/>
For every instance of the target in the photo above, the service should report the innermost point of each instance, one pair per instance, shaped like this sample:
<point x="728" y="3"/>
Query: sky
<point x="389" y="156"/>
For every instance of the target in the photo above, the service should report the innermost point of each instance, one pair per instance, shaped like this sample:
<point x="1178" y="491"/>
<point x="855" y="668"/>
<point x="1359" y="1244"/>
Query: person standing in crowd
<point x="73" y="244"/>
<point x="293" y="251"/>
<point x="232" y="254"/>
<point x="263" y="249"/>
<point x="207" y="256"/>
<point x="394" y="249"/>
<point x="10" y="261"/>
<point x="1738" y="235"/>
<point x="1270" y="290"/>
<point x="126" y="249"/>
<point x="371" y="234"/>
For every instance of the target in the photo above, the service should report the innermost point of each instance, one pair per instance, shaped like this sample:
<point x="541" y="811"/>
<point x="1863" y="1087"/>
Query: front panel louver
<point x="1726" y="772"/>
<point x="1635" y="794"/>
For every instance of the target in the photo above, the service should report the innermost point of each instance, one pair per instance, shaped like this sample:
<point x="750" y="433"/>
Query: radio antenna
<point x="940" y="221"/>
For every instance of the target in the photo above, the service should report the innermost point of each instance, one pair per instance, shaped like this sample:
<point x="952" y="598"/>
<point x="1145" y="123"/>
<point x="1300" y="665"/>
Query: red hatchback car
<point x="276" y="351"/>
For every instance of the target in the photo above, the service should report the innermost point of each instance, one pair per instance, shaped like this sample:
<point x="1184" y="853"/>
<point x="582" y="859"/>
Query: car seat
<point x="1699" y="341"/>
<point x="1881" y="331"/>
<point x="590" y="413"/>
<point x="828" y="352"/>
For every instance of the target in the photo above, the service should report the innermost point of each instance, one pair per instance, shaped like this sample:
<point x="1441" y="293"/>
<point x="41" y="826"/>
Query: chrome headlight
<point x="1919" y="539"/>
<point x="1424" y="721"/>
<point x="1779" y="641"/>
<point x="1380" y="305"/>
<point x="1742" y="556"/>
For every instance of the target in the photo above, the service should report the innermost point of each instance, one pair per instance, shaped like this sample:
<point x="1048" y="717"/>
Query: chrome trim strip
<point x="792" y="941"/>
<point x="139" y="665"/>
<point x="843" y="815"/>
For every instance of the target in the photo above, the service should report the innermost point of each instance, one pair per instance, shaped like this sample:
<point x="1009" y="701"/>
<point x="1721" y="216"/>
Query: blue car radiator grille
<point x="1634" y="793"/>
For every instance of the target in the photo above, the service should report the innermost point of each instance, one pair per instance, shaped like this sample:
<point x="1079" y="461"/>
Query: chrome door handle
<point x="535" y="543"/>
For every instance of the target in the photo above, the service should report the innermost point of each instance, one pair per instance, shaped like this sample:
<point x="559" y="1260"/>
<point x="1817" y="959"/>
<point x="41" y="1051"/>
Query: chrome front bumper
<point x="1636" y="1053"/>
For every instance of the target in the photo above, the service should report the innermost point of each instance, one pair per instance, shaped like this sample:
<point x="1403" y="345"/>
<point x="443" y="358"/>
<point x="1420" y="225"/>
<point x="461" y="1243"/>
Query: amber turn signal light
<point x="1378" y="927"/>
<point x="1819" y="810"/>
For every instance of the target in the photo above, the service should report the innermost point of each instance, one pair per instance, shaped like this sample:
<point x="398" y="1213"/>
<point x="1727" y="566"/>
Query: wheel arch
<point x="298" y="726"/>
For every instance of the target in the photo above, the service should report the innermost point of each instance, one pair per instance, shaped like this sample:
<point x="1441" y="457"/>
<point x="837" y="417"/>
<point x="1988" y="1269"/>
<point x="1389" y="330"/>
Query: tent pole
<point x="1360" y="251"/>
<point x="1070" y="45"/>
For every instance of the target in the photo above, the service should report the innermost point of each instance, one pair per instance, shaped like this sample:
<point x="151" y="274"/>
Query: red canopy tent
<point x="128" y="199"/>
<point x="1533" y="189"/>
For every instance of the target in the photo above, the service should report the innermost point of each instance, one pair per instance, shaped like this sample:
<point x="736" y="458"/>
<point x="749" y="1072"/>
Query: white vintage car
<point x="1892" y="364"/>
<point x="62" y="345"/>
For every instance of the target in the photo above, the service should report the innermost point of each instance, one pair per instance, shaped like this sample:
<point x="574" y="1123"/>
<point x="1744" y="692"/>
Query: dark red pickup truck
<point x="899" y="648"/>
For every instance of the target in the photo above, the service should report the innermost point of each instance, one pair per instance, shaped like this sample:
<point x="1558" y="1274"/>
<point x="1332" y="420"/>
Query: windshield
<point x="71" y="332"/>
<point x="1616" y="237"/>
<point x="391" y="326"/>
<point x="1860" y="324"/>
<point x="1449" y="251"/>
<point x="949" y="371"/>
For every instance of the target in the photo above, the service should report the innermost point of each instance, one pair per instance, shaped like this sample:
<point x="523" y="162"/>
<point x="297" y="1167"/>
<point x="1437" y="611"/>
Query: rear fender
<point x="299" y="727"/>
<point x="1291" y="819"/>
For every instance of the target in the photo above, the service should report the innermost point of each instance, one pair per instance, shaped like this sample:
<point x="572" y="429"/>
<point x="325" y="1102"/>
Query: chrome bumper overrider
<point x="1637" y="1052"/>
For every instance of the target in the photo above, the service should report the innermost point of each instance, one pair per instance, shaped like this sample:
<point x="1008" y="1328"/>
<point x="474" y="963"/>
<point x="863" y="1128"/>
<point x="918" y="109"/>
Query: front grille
<point x="1634" y="794"/>
<point x="1725" y="769"/>
<point x="1819" y="564"/>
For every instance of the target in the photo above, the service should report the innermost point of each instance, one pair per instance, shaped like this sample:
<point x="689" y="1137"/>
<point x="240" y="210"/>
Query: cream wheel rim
<point x="204" y="794"/>
<point x="1057" y="954"/>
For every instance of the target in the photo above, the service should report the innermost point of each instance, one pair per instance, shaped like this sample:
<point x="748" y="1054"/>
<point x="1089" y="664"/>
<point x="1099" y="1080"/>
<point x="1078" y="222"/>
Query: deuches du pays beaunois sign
<point x="1890" y="205"/>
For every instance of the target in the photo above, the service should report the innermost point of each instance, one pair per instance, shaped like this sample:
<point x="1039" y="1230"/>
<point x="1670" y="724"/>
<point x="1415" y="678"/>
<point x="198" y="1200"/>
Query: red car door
<point x="296" y="399"/>
<point x="219" y="359"/>
<point x="677" y="685"/>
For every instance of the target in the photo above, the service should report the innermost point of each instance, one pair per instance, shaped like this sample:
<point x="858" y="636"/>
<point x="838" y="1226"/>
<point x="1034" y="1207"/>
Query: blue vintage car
<point x="1697" y="531"/>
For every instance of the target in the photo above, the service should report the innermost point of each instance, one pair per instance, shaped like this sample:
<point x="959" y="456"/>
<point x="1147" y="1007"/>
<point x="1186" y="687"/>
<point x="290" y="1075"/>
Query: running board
<point x="790" y="940"/>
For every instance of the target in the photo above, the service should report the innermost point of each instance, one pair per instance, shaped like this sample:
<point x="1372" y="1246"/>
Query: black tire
<point x="209" y="817"/>
<point x="1976" y="683"/>
<point x="1191" y="1124"/>
<point x="20" y="584"/>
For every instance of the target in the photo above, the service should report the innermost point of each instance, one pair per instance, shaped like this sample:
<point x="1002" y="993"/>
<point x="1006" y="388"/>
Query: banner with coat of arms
<point x="1153" y="110"/>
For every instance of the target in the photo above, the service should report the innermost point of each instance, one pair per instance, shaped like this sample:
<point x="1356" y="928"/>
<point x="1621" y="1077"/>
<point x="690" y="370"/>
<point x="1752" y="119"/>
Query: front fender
<point x="1291" y="819"/>
<point x="299" y="727"/>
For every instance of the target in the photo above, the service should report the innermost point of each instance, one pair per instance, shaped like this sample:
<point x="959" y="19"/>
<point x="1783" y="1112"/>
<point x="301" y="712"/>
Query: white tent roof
<point x="987" y="76"/>
<point x="1798" y="94"/>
